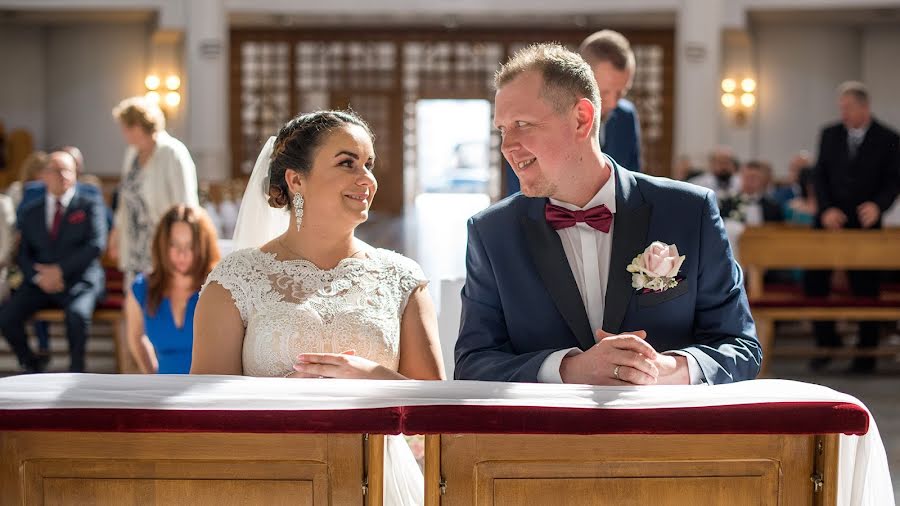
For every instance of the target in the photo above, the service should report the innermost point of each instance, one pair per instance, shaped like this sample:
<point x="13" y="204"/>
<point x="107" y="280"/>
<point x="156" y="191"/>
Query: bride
<point x="305" y="298"/>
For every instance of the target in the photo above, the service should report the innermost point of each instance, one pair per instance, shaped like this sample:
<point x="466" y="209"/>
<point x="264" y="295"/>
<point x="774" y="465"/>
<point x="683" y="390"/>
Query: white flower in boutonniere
<point x="656" y="268"/>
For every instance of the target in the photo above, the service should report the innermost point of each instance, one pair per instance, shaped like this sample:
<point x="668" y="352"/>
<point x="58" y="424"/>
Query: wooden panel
<point x="319" y="469"/>
<point x="432" y="469"/>
<point x="734" y="491"/>
<point x="375" y="467"/>
<point x="502" y="469"/>
<point x="116" y="492"/>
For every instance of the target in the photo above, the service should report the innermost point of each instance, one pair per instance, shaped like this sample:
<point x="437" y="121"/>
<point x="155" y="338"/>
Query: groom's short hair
<point x="567" y="77"/>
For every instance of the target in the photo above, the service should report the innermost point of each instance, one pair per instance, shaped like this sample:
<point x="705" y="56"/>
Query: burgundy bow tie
<point x="598" y="217"/>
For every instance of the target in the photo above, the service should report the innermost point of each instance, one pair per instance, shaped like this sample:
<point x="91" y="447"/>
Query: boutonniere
<point x="655" y="269"/>
<point x="77" y="217"/>
<point x="737" y="207"/>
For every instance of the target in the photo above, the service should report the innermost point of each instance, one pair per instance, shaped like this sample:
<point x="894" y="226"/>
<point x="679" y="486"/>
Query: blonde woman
<point x="157" y="173"/>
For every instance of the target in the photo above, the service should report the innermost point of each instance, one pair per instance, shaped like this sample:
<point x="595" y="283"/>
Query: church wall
<point x="22" y="88"/>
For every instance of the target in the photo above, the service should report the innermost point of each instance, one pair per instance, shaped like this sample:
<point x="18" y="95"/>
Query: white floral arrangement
<point x="656" y="269"/>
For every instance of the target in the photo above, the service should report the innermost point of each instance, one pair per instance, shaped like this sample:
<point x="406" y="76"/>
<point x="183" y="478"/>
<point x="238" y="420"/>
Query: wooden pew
<point x="110" y="468"/>
<point x="491" y="453"/>
<point x="663" y="470"/>
<point x="138" y="439"/>
<point x="143" y="439"/>
<point x="782" y="247"/>
<point x="108" y="310"/>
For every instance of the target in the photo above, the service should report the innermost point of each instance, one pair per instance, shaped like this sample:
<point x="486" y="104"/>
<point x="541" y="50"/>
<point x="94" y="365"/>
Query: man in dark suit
<point x="857" y="176"/>
<point x="611" y="59"/>
<point x="37" y="190"/>
<point x="63" y="236"/>
<point x="594" y="274"/>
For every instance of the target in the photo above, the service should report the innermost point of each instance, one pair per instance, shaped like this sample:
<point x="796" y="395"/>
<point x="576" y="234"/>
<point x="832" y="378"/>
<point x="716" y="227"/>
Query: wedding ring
<point x="616" y="372"/>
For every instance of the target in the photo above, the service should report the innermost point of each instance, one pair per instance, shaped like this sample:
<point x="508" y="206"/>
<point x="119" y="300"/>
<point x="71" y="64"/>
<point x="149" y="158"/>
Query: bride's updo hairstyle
<point x="296" y="145"/>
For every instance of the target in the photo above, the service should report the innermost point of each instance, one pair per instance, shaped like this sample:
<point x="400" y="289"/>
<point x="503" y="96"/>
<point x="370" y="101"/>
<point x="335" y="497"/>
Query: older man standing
<point x="63" y="236"/>
<point x="857" y="176"/>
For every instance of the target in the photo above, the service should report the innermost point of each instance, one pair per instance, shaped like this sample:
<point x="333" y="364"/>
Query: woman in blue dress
<point x="159" y="309"/>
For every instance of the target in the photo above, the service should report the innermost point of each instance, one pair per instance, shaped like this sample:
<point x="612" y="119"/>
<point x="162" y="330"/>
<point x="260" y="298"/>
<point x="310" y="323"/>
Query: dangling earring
<point x="298" y="209"/>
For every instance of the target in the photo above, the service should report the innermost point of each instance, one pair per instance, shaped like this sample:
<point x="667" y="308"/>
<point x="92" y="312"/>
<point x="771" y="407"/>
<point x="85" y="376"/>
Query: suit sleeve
<point x="75" y="264"/>
<point x="636" y="146"/>
<point x="821" y="175"/>
<point x="484" y="350"/>
<point x="726" y="348"/>
<point x="890" y="175"/>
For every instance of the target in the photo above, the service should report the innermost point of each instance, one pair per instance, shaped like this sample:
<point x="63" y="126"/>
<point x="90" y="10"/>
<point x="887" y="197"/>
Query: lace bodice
<point x="291" y="307"/>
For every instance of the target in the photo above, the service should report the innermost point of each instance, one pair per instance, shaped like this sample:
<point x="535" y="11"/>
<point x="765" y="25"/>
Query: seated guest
<point x="801" y="210"/>
<point x="36" y="190"/>
<point x="783" y="194"/>
<point x="159" y="311"/>
<point x="751" y="205"/>
<point x="722" y="175"/>
<point x="30" y="170"/>
<point x="7" y="241"/>
<point x="63" y="236"/>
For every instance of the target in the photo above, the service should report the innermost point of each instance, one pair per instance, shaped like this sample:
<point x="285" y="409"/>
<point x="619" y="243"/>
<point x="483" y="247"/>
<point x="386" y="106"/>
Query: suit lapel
<point x="553" y="268"/>
<point x="42" y="216"/>
<point x="629" y="239"/>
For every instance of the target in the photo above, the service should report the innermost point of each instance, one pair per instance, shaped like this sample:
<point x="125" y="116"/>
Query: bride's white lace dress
<point x="291" y="307"/>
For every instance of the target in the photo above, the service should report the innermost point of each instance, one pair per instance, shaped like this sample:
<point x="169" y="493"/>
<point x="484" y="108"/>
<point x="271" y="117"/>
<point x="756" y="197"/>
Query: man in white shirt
<point x="594" y="274"/>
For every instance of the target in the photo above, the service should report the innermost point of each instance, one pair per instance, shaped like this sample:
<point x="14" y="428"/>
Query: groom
<point x="551" y="273"/>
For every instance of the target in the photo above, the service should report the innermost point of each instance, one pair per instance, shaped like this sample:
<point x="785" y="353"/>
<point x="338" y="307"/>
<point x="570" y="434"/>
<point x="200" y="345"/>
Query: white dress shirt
<point x="51" y="199"/>
<point x="588" y="251"/>
<point x="855" y="138"/>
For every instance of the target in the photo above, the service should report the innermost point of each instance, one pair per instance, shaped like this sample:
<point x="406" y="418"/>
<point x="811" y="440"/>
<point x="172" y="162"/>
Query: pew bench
<point x="108" y="310"/>
<point x="783" y="247"/>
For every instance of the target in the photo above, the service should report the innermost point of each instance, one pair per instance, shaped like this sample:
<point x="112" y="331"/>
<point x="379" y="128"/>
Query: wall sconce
<point x="742" y="100"/>
<point x="155" y="90"/>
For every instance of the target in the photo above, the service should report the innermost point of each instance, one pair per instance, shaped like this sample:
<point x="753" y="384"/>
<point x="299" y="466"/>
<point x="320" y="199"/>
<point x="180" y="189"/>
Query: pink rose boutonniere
<point x="655" y="269"/>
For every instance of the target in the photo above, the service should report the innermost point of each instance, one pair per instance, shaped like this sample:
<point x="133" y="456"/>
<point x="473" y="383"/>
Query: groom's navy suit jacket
<point x="520" y="302"/>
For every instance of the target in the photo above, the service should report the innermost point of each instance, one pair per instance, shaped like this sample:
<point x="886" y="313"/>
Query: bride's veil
<point x="258" y="222"/>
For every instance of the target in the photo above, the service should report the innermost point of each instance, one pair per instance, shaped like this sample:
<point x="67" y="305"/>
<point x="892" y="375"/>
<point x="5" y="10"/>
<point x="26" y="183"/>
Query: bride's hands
<point x="344" y="365"/>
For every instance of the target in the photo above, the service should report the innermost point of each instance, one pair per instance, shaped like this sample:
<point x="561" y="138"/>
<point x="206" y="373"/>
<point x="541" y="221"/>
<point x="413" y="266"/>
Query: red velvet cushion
<point x="769" y="418"/>
<point x="801" y="301"/>
<point x="378" y="421"/>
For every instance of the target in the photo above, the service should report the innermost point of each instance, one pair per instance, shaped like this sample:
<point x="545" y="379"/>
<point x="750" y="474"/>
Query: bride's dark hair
<point x="296" y="145"/>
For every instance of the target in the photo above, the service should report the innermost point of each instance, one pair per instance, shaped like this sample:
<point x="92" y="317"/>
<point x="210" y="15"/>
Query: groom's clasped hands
<point x="622" y="359"/>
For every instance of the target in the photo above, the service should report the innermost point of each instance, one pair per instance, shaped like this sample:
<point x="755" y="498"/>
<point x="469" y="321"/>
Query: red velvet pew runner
<point x="134" y="403"/>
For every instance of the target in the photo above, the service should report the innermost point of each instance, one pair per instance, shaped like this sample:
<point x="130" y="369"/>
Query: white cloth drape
<point x="864" y="479"/>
